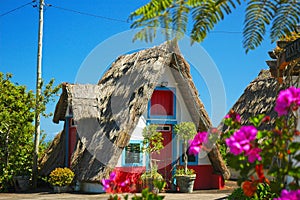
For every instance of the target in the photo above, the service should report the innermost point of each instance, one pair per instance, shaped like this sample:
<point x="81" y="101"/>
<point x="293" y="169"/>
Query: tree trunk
<point x="220" y="167"/>
<point x="185" y="157"/>
<point x="150" y="162"/>
<point x="38" y="95"/>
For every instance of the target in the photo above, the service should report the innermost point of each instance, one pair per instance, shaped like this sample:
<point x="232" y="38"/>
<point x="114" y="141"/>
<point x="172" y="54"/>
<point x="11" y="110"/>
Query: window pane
<point x="162" y="103"/>
<point x="132" y="153"/>
<point x="191" y="158"/>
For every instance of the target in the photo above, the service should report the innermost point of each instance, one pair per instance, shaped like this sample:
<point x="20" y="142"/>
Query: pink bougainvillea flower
<point x="196" y="143"/>
<point x="234" y="145"/>
<point x="239" y="142"/>
<point x="234" y="116"/>
<point x="289" y="195"/>
<point x="289" y="98"/>
<point x="106" y="184"/>
<point x="200" y="138"/>
<point x="194" y="150"/>
<point x="112" y="176"/>
<point x="249" y="132"/>
<point x="253" y="155"/>
<point x="125" y="183"/>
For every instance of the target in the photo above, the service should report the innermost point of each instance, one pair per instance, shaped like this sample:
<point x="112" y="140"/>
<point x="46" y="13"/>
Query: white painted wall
<point x="182" y="115"/>
<point x="136" y="135"/>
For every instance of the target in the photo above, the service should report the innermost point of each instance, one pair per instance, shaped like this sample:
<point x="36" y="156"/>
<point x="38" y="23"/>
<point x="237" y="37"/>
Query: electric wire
<point x="87" y="14"/>
<point x="120" y="20"/>
<point x="124" y="21"/>
<point x="98" y="16"/>
<point x="17" y="8"/>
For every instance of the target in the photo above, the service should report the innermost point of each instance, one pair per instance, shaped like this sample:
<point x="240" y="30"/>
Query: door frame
<point x="174" y="140"/>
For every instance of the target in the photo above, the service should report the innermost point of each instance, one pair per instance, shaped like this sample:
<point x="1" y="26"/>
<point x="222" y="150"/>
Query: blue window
<point x="162" y="104"/>
<point x="132" y="154"/>
<point x="192" y="160"/>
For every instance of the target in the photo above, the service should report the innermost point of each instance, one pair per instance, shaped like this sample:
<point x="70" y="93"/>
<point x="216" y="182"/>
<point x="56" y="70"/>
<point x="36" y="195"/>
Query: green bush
<point x="61" y="177"/>
<point x="16" y="131"/>
<point x="237" y="194"/>
<point x="263" y="192"/>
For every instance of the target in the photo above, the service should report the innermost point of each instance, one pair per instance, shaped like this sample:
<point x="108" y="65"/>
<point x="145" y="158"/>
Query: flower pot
<point x="148" y="182"/>
<point x="61" y="189"/>
<point x="185" y="182"/>
<point x="21" y="183"/>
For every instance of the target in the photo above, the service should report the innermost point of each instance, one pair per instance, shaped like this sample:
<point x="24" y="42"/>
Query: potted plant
<point x="185" y="179"/>
<point x="185" y="131"/>
<point x="60" y="179"/>
<point x="22" y="179"/>
<point x="152" y="179"/>
<point x="152" y="143"/>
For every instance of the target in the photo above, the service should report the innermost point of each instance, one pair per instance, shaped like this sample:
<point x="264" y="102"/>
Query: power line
<point x="88" y="14"/>
<point x="99" y="16"/>
<point x="22" y="6"/>
<point x="120" y="20"/>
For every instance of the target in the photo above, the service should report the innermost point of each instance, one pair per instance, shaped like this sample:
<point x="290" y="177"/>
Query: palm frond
<point x="207" y="15"/>
<point x="286" y="19"/>
<point x="148" y="32"/>
<point x="151" y="16"/>
<point x="259" y="13"/>
<point x="180" y="18"/>
<point x="151" y="9"/>
<point x="174" y="14"/>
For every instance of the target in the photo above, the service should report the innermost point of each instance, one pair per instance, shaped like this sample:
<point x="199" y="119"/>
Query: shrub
<point x="61" y="177"/>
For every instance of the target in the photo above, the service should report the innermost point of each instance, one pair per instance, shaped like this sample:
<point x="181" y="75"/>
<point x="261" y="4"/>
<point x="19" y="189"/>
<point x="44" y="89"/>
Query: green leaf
<point x="294" y="147"/>
<point x="259" y="13"/>
<point x="286" y="18"/>
<point x="175" y="14"/>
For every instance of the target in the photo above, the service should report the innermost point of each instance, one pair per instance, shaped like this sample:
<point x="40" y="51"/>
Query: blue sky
<point x="69" y="38"/>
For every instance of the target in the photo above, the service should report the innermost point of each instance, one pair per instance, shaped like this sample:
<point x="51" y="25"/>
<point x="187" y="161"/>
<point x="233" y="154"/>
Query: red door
<point x="164" y="158"/>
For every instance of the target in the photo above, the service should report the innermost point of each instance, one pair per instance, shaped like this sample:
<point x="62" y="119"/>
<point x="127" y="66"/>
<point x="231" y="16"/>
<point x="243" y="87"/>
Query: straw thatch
<point x="54" y="155"/>
<point x="106" y="114"/>
<point x="259" y="97"/>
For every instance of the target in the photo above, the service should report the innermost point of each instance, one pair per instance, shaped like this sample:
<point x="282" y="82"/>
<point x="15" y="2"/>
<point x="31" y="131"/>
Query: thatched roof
<point x="259" y="97"/>
<point x="54" y="155"/>
<point x="106" y="114"/>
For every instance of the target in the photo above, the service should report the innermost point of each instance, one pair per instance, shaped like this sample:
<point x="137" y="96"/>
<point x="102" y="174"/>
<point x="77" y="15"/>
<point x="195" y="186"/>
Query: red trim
<point x="132" y="174"/>
<point x="162" y="103"/>
<point x="205" y="178"/>
<point x="72" y="139"/>
<point x="164" y="157"/>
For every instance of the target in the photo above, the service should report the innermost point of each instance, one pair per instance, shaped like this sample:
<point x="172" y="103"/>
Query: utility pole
<point x="38" y="94"/>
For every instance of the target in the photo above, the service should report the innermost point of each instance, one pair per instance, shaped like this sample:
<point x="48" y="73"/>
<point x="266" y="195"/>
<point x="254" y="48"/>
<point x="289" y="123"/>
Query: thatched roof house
<point x="259" y="97"/>
<point x="106" y="114"/>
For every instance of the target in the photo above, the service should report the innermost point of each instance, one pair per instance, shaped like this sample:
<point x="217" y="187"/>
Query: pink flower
<point x="194" y="150"/>
<point x="112" y="176"/>
<point x="123" y="184"/>
<point x="200" y="138"/>
<point x="253" y="155"/>
<point x="286" y="99"/>
<point x="239" y="142"/>
<point x="289" y="195"/>
<point x="196" y="143"/>
<point x="234" y="116"/>
<point x="106" y="184"/>
<point x="235" y="146"/>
